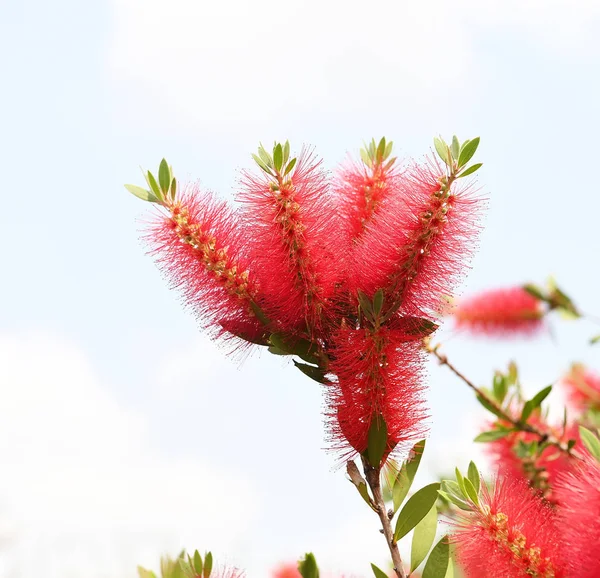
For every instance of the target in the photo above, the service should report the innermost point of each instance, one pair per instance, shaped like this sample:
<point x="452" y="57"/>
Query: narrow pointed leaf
<point x="378" y="572"/>
<point x="308" y="567"/>
<point x="316" y="373"/>
<point x="278" y="157"/>
<point x="437" y="563"/>
<point x="141" y="193"/>
<point x="415" y="509"/>
<point x="590" y="441"/>
<point x="164" y="176"/>
<point x="208" y="564"/>
<point x="470" y="170"/>
<point x="407" y="474"/>
<point x="467" y="151"/>
<point x="423" y="538"/>
<point x="377" y="440"/>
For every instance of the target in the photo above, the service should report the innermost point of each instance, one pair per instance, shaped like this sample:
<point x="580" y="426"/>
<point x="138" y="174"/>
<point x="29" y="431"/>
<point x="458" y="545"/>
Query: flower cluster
<point x="347" y="272"/>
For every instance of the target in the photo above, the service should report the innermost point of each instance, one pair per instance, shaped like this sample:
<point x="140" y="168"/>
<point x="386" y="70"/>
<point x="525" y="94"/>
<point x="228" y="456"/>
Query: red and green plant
<point x="350" y="276"/>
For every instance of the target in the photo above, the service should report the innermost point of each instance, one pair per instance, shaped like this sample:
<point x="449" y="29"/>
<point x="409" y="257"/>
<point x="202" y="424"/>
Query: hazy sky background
<point x="123" y="432"/>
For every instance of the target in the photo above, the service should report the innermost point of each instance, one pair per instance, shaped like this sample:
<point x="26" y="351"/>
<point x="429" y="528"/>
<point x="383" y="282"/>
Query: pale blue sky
<point x="92" y="90"/>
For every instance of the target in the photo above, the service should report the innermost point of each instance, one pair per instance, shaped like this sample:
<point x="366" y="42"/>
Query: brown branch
<point x="372" y="476"/>
<point x="502" y="414"/>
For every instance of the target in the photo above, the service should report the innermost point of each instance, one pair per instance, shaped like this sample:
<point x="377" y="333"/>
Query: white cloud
<point x="82" y="487"/>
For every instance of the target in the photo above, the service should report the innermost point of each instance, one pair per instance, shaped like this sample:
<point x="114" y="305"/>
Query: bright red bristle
<point x="579" y="518"/>
<point x="501" y="312"/>
<point x="291" y="234"/>
<point x="511" y="534"/>
<point x="419" y="243"/>
<point x="361" y="190"/>
<point x="583" y="388"/>
<point x="378" y="373"/>
<point x="199" y="247"/>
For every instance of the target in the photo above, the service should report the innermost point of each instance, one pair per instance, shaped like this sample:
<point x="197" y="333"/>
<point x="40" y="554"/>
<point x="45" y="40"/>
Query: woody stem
<point x="517" y="423"/>
<point x="373" y="477"/>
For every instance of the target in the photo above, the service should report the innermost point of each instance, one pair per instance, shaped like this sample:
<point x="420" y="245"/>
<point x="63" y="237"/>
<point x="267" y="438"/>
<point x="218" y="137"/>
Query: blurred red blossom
<point x="500" y="312"/>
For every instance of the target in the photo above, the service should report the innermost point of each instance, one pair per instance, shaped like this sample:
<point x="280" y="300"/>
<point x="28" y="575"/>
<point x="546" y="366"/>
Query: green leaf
<point x="418" y="326"/>
<point x="154" y="185"/>
<point x="286" y="151"/>
<point x="377" y="302"/>
<point x="423" y="537"/>
<point x="455" y="500"/>
<point x="364" y="155"/>
<point x="500" y="387"/>
<point x="467" y="151"/>
<point x="388" y="149"/>
<point x="278" y="157"/>
<point x="164" y="177"/>
<point x="308" y="567"/>
<point x="378" y="572"/>
<point x="474" y="476"/>
<point x="442" y="150"/>
<point x="377" y="441"/>
<point x="492" y="435"/>
<point x="143" y="573"/>
<point x="489" y="406"/>
<point x="437" y="564"/>
<point x="470" y="491"/>
<point x="186" y="568"/>
<point x="460" y="482"/>
<point x="290" y="166"/>
<point x="590" y="441"/>
<point x="262" y="165"/>
<point x="595" y="339"/>
<point x="513" y="373"/>
<point x="534" y="402"/>
<point x="265" y="156"/>
<point x="173" y="189"/>
<point x="141" y="193"/>
<point x="415" y="509"/>
<point x="198" y="563"/>
<point x="381" y="150"/>
<point x="407" y="474"/>
<point x="535" y="291"/>
<point x="470" y="170"/>
<point x="455" y="148"/>
<point x="208" y="564"/>
<point x="316" y="373"/>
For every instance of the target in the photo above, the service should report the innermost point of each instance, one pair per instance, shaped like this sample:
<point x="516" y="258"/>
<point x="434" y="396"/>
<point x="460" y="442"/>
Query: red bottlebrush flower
<point x="199" y="247"/>
<point x="361" y="189"/>
<point x="287" y="571"/>
<point x="291" y="226"/>
<point x="511" y="534"/>
<point x="418" y="244"/>
<point x="579" y="518"/>
<point x="583" y="388"/>
<point x="501" y="312"/>
<point x="377" y="373"/>
<point x="542" y="471"/>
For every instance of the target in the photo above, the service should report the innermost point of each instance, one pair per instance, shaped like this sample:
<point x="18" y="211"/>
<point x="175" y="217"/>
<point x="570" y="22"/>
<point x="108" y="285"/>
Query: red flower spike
<point x="378" y="373"/>
<point x="501" y="312"/>
<point x="511" y="534"/>
<point x="579" y="518"/>
<point x="199" y="247"/>
<point x="583" y="388"/>
<point x="361" y="190"/>
<point x="291" y="222"/>
<point x="418" y="244"/>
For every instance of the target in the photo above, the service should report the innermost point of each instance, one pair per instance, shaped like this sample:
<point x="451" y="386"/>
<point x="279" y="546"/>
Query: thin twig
<point x="373" y="478"/>
<point x="517" y="423"/>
